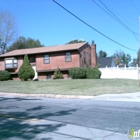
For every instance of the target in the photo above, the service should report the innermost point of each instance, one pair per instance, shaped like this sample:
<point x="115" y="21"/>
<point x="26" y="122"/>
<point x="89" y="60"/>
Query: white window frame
<point x="46" y="58"/>
<point x="68" y="57"/>
<point x="12" y="62"/>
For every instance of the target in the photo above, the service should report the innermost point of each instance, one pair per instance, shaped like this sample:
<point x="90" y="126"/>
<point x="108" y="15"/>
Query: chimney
<point x="93" y="55"/>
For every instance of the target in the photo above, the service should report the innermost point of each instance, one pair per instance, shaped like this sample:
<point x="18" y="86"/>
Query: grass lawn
<point x="71" y="87"/>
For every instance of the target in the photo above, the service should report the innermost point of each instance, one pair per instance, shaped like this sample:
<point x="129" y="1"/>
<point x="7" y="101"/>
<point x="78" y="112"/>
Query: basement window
<point x="49" y="76"/>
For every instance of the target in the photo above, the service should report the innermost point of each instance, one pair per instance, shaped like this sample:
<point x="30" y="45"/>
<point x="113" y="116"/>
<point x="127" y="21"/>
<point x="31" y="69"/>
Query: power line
<point x="92" y="27"/>
<point x="117" y="19"/>
<point x="135" y="6"/>
<point x="114" y="16"/>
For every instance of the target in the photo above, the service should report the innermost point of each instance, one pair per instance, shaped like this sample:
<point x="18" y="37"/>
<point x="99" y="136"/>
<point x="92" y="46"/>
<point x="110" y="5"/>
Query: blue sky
<point x="46" y="21"/>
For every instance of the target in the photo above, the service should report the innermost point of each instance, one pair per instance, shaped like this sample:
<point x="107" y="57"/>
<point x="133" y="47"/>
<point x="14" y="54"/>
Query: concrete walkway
<point x="134" y="97"/>
<point x="129" y="97"/>
<point x="76" y="132"/>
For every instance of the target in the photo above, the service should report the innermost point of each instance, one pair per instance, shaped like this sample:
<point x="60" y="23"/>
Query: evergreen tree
<point x="102" y="54"/>
<point x="26" y="71"/>
<point x="58" y="74"/>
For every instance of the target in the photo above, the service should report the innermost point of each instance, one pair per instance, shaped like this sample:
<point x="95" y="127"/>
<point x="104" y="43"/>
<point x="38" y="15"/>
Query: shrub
<point x="58" y="74"/>
<point x="93" y="73"/>
<point x="26" y="71"/>
<point x="4" y="75"/>
<point x="78" y="73"/>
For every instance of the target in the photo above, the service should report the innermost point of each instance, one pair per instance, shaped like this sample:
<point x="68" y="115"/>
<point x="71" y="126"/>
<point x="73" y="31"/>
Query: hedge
<point x="93" y="73"/>
<point x="85" y="73"/>
<point x="78" y="73"/>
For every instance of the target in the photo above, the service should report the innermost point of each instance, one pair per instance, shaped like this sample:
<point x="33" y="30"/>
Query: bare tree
<point x="8" y="30"/>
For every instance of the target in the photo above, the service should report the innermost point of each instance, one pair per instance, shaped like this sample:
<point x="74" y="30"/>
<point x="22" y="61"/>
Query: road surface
<point x="29" y="118"/>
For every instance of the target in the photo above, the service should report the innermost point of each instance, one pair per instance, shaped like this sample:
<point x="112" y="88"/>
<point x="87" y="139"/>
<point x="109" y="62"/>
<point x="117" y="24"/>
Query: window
<point x="68" y="76"/>
<point x="49" y="76"/>
<point x="68" y="57"/>
<point x="84" y="57"/>
<point x="46" y="59"/>
<point x="32" y="59"/>
<point x="11" y="63"/>
<point x="15" y="63"/>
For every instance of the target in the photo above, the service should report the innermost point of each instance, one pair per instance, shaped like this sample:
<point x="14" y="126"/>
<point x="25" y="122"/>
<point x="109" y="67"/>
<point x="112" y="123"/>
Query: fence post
<point x="125" y="67"/>
<point x="137" y="67"/>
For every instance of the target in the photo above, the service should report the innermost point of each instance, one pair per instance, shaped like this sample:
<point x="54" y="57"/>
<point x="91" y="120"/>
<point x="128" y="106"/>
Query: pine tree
<point x="58" y="74"/>
<point x="26" y="71"/>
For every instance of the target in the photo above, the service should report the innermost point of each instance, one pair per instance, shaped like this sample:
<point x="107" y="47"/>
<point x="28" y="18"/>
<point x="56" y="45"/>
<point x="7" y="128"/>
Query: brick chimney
<point x="93" y="55"/>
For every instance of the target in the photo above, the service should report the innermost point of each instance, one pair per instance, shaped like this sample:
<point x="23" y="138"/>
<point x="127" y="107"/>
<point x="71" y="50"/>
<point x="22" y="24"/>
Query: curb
<point x="47" y="96"/>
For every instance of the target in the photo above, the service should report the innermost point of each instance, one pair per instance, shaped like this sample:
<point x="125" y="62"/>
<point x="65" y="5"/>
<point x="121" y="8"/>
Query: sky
<point x="52" y="25"/>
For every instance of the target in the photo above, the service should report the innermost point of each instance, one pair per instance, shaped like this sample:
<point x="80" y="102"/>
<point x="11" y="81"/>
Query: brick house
<point x="45" y="60"/>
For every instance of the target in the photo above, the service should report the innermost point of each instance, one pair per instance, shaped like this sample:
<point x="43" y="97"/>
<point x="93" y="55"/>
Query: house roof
<point x="104" y="61"/>
<point x="46" y="49"/>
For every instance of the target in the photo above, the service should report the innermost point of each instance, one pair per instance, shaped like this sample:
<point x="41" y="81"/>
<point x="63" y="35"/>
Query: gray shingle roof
<point x="105" y="61"/>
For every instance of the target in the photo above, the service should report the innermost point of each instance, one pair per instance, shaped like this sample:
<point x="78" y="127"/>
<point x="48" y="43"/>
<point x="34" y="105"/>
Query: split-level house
<point x="45" y="60"/>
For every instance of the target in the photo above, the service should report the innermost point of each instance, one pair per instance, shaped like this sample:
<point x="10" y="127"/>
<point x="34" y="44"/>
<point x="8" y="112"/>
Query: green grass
<point x="71" y="87"/>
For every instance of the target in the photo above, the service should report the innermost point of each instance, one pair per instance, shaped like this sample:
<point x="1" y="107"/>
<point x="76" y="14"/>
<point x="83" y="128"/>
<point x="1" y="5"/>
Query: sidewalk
<point x="62" y="131"/>
<point x="130" y="97"/>
<point x="76" y="132"/>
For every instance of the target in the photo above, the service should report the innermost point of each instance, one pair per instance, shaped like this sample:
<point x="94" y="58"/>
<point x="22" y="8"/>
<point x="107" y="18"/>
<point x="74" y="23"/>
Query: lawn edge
<point x="47" y="95"/>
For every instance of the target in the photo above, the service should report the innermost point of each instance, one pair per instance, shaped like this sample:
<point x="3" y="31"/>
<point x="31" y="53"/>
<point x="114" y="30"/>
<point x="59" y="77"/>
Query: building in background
<point x="104" y="62"/>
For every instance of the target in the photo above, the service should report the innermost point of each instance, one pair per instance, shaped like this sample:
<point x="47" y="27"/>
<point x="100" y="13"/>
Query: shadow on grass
<point x="20" y="125"/>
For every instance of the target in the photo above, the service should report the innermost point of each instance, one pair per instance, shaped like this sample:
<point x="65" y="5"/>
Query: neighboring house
<point x="45" y="60"/>
<point x="104" y="62"/>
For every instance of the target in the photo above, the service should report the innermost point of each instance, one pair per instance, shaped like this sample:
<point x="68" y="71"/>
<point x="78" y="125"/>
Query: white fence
<point x="122" y="73"/>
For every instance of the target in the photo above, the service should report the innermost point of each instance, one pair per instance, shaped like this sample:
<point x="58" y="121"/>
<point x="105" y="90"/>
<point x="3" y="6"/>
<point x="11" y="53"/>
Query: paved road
<point x="66" y="119"/>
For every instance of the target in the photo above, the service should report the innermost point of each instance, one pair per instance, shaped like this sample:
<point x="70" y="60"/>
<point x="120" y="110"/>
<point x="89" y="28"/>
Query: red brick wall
<point x="20" y="61"/>
<point x="57" y="60"/>
<point x="93" y="55"/>
<point x="2" y="65"/>
<point x="87" y="50"/>
<point x="43" y="75"/>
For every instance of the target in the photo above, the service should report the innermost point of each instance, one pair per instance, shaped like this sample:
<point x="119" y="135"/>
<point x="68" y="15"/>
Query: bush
<point x="58" y="74"/>
<point x="93" y="73"/>
<point x="78" y="73"/>
<point x="4" y="75"/>
<point x="83" y="73"/>
<point x="26" y="71"/>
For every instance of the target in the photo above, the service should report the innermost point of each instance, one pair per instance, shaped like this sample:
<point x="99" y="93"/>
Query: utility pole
<point x="139" y="45"/>
<point x="139" y="32"/>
